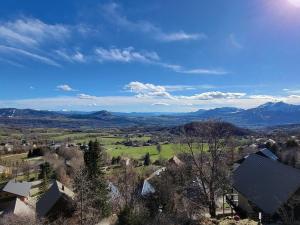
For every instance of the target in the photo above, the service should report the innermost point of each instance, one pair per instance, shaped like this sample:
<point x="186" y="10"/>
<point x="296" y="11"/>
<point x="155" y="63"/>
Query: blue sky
<point x="138" y="55"/>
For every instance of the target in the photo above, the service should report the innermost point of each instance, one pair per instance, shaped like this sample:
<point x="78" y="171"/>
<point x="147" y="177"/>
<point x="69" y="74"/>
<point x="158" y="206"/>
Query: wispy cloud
<point x="86" y="96"/>
<point x="179" y="36"/>
<point x="65" y="87"/>
<point x="129" y="55"/>
<point x="16" y="51"/>
<point x="160" y="104"/>
<point x="31" y="32"/>
<point x="204" y="71"/>
<point x="215" y="95"/>
<point x="73" y="57"/>
<point x="125" y="55"/>
<point x="234" y="41"/>
<point x="113" y="14"/>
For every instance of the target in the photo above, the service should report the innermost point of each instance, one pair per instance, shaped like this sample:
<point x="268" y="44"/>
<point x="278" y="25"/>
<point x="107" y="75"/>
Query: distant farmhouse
<point x="14" y="199"/>
<point x="263" y="185"/>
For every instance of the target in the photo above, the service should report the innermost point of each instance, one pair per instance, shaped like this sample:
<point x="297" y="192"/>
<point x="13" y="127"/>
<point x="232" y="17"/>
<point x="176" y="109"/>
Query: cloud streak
<point x="112" y="13"/>
<point x="20" y="52"/>
<point x="31" y="32"/>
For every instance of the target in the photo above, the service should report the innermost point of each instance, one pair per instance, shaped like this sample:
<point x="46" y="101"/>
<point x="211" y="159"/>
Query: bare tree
<point x="206" y="152"/>
<point x="287" y="211"/>
<point x="85" y="212"/>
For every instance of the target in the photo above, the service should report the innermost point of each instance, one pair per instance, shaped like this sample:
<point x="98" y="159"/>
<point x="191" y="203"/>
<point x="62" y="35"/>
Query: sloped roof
<point x="176" y="161"/>
<point x="48" y="200"/>
<point x="268" y="153"/>
<point x="147" y="188"/>
<point x="266" y="183"/>
<point x="262" y="152"/>
<point x="18" y="188"/>
<point x="16" y="207"/>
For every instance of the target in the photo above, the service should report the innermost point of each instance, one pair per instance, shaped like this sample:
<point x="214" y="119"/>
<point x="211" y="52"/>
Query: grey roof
<point x="266" y="183"/>
<point x="268" y="153"/>
<point x="48" y="200"/>
<point x="18" y="188"/>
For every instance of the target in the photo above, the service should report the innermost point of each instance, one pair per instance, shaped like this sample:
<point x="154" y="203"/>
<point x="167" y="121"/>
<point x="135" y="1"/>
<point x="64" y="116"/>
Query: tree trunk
<point x="212" y="208"/>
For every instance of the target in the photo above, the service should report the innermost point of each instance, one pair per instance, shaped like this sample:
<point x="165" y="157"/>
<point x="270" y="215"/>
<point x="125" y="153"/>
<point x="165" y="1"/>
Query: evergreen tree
<point x="94" y="158"/>
<point x="46" y="174"/>
<point x="147" y="160"/>
<point x="158" y="148"/>
<point x="127" y="217"/>
<point x="29" y="155"/>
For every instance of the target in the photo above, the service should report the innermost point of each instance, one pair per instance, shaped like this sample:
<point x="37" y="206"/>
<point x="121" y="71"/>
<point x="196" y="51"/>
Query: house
<point x="263" y="152"/>
<point x="148" y="187"/>
<point x="56" y="200"/>
<point x="17" y="207"/>
<point x="9" y="147"/>
<point x="13" y="198"/>
<point x="264" y="185"/>
<point x="15" y="189"/>
<point x="5" y="170"/>
<point x="175" y="161"/>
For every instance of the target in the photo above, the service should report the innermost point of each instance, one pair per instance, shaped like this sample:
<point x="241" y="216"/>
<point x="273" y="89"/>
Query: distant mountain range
<point x="269" y="114"/>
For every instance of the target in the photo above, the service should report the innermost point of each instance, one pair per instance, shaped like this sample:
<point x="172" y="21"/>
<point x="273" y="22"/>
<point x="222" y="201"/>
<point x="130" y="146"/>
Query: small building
<point x="15" y="189"/>
<point x="265" y="185"/>
<point x="175" y="161"/>
<point x="148" y="187"/>
<point x="5" y="170"/>
<point x="16" y="207"/>
<point x="266" y="153"/>
<point x="56" y="201"/>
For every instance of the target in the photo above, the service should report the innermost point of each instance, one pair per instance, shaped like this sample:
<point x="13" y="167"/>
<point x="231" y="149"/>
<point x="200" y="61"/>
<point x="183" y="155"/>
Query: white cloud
<point x="180" y="36"/>
<point x="31" y="32"/>
<point x="292" y="91"/>
<point x="125" y="55"/>
<point x="112" y="12"/>
<point x="85" y="96"/>
<point x="64" y="87"/>
<point x="215" y="95"/>
<point x="160" y="104"/>
<point x="71" y="57"/>
<point x="234" y="42"/>
<point x="151" y="90"/>
<point x="204" y="71"/>
<point x="268" y="97"/>
<point x="12" y="52"/>
<point x="129" y="54"/>
<point x="147" y="90"/>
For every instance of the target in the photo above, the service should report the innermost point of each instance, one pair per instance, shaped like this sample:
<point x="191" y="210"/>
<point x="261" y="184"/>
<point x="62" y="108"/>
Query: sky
<point x="148" y="56"/>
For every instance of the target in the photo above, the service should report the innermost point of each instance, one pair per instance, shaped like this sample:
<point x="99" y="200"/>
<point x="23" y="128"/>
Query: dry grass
<point x="241" y="222"/>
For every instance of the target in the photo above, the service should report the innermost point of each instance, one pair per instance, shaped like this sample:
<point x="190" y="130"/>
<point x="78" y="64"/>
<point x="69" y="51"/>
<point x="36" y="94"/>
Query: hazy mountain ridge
<point x="269" y="114"/>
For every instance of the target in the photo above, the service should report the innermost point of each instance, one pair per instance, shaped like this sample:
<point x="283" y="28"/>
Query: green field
<point x="167" y="151"/>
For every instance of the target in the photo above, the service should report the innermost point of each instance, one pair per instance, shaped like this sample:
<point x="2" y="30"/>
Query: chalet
<point x="148" y="187"/>
<point x="13" y="198"/>
<point x="17" y="207"/>
<point x="175" y="161"/>
<point x="263" y="185"/>
<point x="14" y="189"/>
<point x="266" y="153"/>
<point x="4" y="170"/>
<point x="56" y="200"/>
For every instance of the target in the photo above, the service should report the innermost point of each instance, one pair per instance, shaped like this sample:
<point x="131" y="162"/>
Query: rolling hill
<point x="269" y="114"/>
